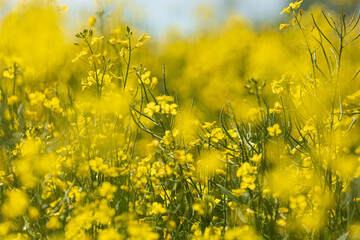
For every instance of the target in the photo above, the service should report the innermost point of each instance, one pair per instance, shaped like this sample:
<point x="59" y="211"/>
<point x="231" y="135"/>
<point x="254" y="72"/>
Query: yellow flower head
<point x="296" y="4"/>
<point x="256" y="157"/>
<point x="53" y="223"/>
<point x="284" y="26"/>
<point x="143" y="38"/>
<point x="92" y="21"/>
<point x="274" y="130"/>
<point x="96" y="39"/>
<point x="292" y="6"/>
<point x="286" y="10"/>
<point x="12" y="100"/>
<point x="15" y="204"/>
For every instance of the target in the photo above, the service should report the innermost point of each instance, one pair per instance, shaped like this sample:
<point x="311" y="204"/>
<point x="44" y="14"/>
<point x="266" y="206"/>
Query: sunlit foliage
<point x="242" y="134"/>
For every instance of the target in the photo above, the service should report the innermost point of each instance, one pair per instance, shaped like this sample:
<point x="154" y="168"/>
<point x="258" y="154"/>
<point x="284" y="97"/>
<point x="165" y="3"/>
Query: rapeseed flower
<point x="274" y="130"/>
<point x="284" y="26"/>
<point x="15" y="205"/>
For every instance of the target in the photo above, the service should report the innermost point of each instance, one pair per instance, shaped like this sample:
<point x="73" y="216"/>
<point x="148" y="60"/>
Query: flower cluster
<point x="95" y="148"/>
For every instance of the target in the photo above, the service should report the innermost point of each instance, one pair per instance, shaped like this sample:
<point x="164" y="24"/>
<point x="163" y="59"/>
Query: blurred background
<point x="158" y="17"/>
<point x="210" y="48"/>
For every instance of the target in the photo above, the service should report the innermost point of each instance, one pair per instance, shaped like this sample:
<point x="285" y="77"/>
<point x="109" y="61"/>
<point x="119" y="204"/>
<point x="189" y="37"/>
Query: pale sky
<point x="158" y="16"/>
<point x="162" y="15"/>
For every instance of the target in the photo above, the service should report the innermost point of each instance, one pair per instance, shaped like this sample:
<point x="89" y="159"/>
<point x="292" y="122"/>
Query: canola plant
<point x="242" y="134"/>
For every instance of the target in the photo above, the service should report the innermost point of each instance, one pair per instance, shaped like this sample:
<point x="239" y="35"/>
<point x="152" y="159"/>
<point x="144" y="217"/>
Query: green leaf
<point x="227" y="192"/>
<point x="343" y="236"/>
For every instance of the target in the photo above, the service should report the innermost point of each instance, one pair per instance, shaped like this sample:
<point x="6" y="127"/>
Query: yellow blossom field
<point x="236" y="132"/>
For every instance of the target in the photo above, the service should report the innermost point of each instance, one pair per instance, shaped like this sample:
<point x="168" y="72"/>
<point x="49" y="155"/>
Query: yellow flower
<point x="12" y="100"/>
<point x="107" y="190"/>
<point x="122" y="52"/>
<point x="10" y="73"/>
<point x="284" y="26"/>
<point x="125" y="188"/>
<point x="298" y="203"/>
<point x="248" y="176"/>
<point x="286" y="10"/>
<point x="113" y="41"/>
<point x="33" y="213"/>
<point x="294" y="150"/>
<point x="243" y="233"/>
<point x="215" y="135"/>
<point x="143" y="38"/>
<point x="274" y="130"/>
<point x="238" y="192"/>
<point x="109" y="234"/>
<point x="145" y="78"/>
<point x="95" y="58"/>
<point x="125" y="43"/>
<point x="169" y="108"/>
<point x="164" y="99"/>
<point x="154" y="82"/>
<point x="98" y="164"/>
<point x="281" y="222"/>
<point x="277" y="108"/>
<point x="139" y="44"/>
<point x="283" y="210"/>
<point x="96" y="39"/>
<point x="169" y="137"/>
<point x="139" y="231"/>
<point x="36" y="98"/>
<point x="292" y="6"/>
<point x="249" y="211"/>
<point x="157" y="208"/>
<point x="5" y="227"/>
<point x="199" y="208"/>
<point x="208" y="125"/>
<point x="15" y="204"/>
<point x="82" y="53"/>
<point x="256" y="158"/>
<point x="151" y="108"/>
<point x="296" y="5"/>
<point x="92" y="21"/>
<point x="53" y="104"/>
<point x="53" y="223"/>
<point x="220" y="172"/>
